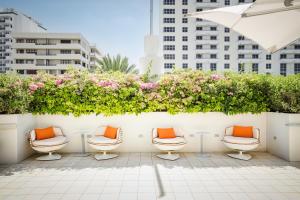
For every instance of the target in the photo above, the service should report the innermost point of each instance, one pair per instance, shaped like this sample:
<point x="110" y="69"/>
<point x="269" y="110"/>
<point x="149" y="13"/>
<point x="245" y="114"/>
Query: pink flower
<point x="215" y="77"/>
<point x="109" y="84"/>
<point x="58" y="82"/>
<point x="40" y="84"/>
<point x="148" y="86"/>
<point x="33" y="87"/>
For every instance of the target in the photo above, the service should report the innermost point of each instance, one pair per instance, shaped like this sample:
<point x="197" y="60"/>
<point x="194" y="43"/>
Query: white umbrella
<point x="273" y="24"/>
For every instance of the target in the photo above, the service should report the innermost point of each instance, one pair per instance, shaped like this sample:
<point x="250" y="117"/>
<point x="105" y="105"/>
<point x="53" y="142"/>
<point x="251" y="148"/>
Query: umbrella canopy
<point x="273" y="24"/>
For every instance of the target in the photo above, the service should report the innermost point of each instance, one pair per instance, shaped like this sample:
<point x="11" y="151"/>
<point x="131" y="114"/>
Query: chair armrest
<point x="31" y="136"/>
<point x="256" y="133"/>
<point x="226" y="132"/>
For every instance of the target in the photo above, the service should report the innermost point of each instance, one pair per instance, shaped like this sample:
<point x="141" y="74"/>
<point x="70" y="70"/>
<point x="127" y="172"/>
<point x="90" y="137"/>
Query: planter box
<point x="14" y="146"/>
<point x="283" y="131"/>
<point x="137" y="129"/>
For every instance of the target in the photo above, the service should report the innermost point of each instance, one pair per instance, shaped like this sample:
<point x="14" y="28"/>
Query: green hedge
<point x="80" y="92"/>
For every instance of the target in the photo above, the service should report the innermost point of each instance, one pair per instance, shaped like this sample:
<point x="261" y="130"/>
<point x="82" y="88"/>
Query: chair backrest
<point x="229" y="132"/>
<point x="57" y="132"/>
<point x="101" y="129"/>
<point x="178" y="132"/>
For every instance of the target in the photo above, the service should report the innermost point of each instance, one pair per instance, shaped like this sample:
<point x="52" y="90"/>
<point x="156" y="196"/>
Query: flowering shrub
<point x="79" y="92"/>
<point x="14" y="94"/>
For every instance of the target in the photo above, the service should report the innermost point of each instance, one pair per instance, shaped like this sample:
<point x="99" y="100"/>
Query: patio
<point x="144" y="176"/>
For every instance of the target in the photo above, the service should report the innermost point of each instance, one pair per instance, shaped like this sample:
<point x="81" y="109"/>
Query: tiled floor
<point x="144" y="176"/>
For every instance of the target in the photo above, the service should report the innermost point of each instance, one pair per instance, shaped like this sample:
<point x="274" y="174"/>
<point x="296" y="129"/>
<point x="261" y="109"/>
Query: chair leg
<point x="49" y="157"/>
<point x="169" y="156"/>
<point x="105" y="156"/>
<point x="240" y="156"/>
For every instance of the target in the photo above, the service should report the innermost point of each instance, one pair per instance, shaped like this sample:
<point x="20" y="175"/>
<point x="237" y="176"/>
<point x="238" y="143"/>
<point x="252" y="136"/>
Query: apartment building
<point x="52" y="52"/>
<point x="13" y="21"/>
<point x="204" y="45"/>
<point x="95" y="57"/>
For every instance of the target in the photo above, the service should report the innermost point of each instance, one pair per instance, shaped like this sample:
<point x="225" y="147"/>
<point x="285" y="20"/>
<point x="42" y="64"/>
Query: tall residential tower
<point x="200" y="44"/>
<point x="13" y="21"/>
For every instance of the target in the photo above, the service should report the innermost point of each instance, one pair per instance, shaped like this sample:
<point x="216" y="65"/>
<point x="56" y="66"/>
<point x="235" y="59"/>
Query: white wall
<point x="137" y="128"/>
<point x="14" y="146"/>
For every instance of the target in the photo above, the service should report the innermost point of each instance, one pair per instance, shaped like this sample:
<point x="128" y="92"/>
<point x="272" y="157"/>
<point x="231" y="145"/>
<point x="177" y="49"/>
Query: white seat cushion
<point x="177" y="140"/>
<point x="58" y="140"/>
<point x="101" y="140"/>
<point x="240" y="140"/>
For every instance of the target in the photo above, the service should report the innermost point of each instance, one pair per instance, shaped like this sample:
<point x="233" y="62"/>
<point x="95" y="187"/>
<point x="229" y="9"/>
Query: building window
<point x="199" y="46"/>
<point x="268" y="56"/>
<point x="198" y="37"/>
<point x="255" y="67"/>
<point x="199" y="20"/>
<point x="227" y="2"/>
<point x="184" y="56"/>
<point x="283" y="69"/>
<point x="241" y="47"/>
<point x="213" y="1"/>
<point x="198" y="56"/>
<point x="184" y="11"/>
<point x="199" y="28"/>
<point x="213" y="46"/>
<point x="268" y="66"/>
<point x="65" y="51"/>
<point x="255" y="56"/>
<point x="184" y="65"/>
<point x="213" y="56"/>
<point x="169" y="29"/>
<point x="282" y="56"/>
<point x="226" y="57"/>
<point x="213" y="28"/>
<point x="184" y="29"/>
<point x="169" y="47"/>
<point x="241" y="37"/>
<point x="296" y="68"/>
<point x="226" y="47"/>
<point x="184" y="47"/>
<point x="241" y="56"/>
<point x="65" y="62"/>
<point x="169" y="65"/>
<point x="169" y="56"/>
<point x="226" y="66"/>
<point x="199" y="9"/>
<point x="184" y="38"/>
<point x="169" y="2"/>
<point x="255" y="46"/>
<point x="241" y="1"/>
<point x="213" y="37"/>
<point x="199" y="66"/>
<point x="226" y="30"/>
<point x="297" y="46"/>
<point x="184" y="20"/>
<point x="184" y="2"/>
<point x="199" y="1"/>
<point x="65" y="41"/>
<point x="241" y="68"/>
<point x="297" y="56"/>
<point x="213" y="66"/>
<point x="226" y="38"/>
<point x="169" y="38"/>
<point x="169" y="11"/>
<point x="169" y="20"/>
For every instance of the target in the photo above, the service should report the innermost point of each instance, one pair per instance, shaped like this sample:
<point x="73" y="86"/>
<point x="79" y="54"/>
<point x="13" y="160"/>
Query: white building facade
<point x="13" y="21"/>
<point x="200" y="44"/>
<point x="52" y="52"/>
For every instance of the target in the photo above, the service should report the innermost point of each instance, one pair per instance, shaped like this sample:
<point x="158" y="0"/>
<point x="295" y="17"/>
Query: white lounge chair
<point x="101" y="143"/>
<point x="49" y="145"/>
<point x="169" y="144"/>
<point x="241" y="144"/>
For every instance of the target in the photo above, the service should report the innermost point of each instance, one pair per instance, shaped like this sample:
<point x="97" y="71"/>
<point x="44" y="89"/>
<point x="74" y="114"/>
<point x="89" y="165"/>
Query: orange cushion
<point x="44" y="133"/>
<point x="110" y="132"/>
<point x="243" y="131"/>
<point x="166" y="133"/>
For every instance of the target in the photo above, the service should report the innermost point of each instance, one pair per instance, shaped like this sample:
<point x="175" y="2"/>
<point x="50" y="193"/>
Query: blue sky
<point x="116" y="26"/>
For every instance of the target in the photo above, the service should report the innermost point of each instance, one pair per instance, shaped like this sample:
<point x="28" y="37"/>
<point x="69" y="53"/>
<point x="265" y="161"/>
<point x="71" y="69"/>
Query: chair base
<point x="105" y="156"/>
<point x="168" y="156"/>
<point x="240" y="156"/>
<point x="49" y="157"/>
